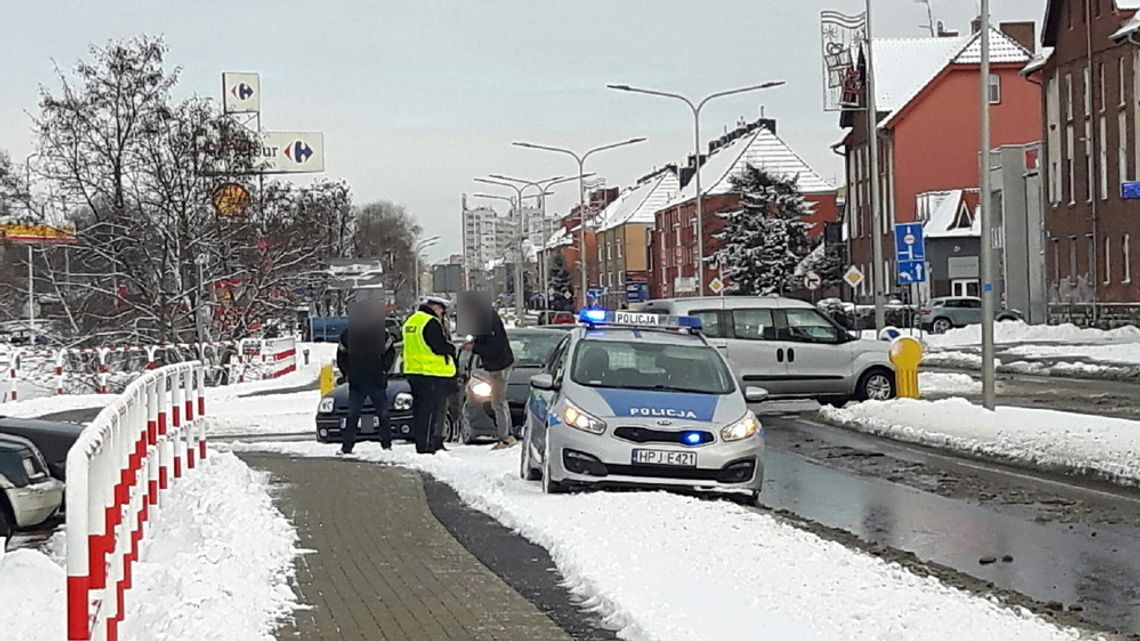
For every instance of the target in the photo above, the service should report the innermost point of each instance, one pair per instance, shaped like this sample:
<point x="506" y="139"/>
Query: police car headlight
<point x="480" y="389"/>
<point x="326" y="406"/>
<point x="403" y="401"/>
<point x="746" y="427"/>
<point x="578" y="419"/>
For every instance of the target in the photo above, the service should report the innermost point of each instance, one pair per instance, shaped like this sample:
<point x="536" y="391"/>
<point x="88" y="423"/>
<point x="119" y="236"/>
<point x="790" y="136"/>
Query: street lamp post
<point x="520" y="285"/>
<point x="581" y="159"/>
<point x="696" y="109"/>
<point x="420" y="246"/>
<point x="543" y="191"/>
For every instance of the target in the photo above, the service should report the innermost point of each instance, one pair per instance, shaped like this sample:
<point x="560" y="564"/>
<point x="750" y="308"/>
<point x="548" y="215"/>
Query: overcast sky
<point x="417" y="97"/>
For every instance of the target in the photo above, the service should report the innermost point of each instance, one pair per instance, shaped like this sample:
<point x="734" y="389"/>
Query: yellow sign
<point x="716" y="286"/>
<point x="37" y="234"/>
<point x="906" y="354"/>
<point x="231" y="200"/>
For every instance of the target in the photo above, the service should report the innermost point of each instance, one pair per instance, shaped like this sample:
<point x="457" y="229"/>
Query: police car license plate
<point x="662" y="457"/>
<point x="631" y="318"/>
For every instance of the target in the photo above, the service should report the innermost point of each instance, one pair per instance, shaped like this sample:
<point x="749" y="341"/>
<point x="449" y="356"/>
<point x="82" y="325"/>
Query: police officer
<point x="429" y="363"/>
<point x="364" y="355"/>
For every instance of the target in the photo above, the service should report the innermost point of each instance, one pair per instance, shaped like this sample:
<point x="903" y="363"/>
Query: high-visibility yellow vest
<point x="418" y="357"/>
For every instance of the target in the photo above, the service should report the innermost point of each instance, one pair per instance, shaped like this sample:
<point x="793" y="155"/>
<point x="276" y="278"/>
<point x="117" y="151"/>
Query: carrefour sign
<point x="292" y="152"/>
<point x="241" y="92"/>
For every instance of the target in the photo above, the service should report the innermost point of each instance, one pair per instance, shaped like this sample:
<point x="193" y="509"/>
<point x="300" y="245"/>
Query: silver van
<point x="789" y="347"/>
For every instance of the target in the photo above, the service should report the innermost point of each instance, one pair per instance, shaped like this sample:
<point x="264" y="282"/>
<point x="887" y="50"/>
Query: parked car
<point x="476" y="417"/>
<point x="789" y="347"/>
<point x="551" y="317"/>
<point x="940" y="315"/>
<point x="52" y="438"/>
<point x="29" y="495"/>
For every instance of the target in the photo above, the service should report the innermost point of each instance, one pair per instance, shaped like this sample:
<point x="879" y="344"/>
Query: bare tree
<point x="385" y="231"/>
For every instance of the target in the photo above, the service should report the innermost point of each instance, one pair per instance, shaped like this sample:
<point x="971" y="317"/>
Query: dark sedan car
<point x="333" y="411"/>
<point x="52" y="438"/>
<point x="532" y="348"/>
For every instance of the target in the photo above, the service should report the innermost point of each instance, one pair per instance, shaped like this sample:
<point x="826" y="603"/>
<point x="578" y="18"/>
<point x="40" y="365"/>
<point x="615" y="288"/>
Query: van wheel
<point x="876" y="385"/>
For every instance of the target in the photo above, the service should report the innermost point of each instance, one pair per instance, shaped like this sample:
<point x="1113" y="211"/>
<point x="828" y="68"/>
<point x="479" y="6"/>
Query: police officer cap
<point x="437" y="300"/>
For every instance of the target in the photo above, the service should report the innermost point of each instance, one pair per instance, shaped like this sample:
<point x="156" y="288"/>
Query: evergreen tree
<point x="764" y="240"/>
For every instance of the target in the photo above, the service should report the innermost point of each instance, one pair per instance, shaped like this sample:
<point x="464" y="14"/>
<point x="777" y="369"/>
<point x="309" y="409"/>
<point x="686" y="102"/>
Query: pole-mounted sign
<point x="292" y="152"/>
<point x="842" y="37"/>
<point x="241" y="92"/>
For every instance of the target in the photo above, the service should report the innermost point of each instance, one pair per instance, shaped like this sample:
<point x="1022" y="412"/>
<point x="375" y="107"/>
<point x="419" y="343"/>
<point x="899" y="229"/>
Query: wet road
<point x="1062" y="545"/>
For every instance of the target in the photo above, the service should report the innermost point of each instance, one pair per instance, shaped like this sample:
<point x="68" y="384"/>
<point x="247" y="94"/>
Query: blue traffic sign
<point x="636" y="292"/>
<point x="910" y="244"/>
<point x="912" y="272"/>
<point x="1130" y="190"/>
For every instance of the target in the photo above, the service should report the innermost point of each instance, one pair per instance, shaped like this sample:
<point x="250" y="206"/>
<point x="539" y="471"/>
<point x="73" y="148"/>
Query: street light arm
<point x="531" y="145"/>
<point x="731" y="92"/>
<point x="631" y="141"/>
<point x="654" y="92"/>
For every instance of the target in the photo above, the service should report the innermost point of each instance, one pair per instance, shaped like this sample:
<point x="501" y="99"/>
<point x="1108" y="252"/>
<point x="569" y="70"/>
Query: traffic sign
<point x="716" y="285"/>
<point x="812" y="281"/>
<point x="912" y="271"/>
<point x="636" y="292"/>
<point x="853" y="277"/>
<point x="910" y="244"/>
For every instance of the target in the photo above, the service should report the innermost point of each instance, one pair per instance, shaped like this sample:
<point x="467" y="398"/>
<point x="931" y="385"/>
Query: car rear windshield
<point x="534" y="348"/>
<point x="696" y="369"/>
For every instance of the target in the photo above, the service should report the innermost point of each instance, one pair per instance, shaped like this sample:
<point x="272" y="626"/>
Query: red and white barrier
<point x="119" y="469"/>
<point x="267" y="358"/>
<point x="13" y="375"/>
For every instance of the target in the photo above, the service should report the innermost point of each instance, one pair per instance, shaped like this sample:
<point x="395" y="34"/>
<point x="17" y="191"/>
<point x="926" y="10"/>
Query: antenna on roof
<point x="931" y="24"/>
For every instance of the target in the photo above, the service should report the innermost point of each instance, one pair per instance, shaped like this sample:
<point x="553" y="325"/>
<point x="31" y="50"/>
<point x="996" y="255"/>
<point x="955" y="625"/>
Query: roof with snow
<point x="906" y="66"/>
<point x="1040" y="59"/>
<point x="560" y="238"/>
<point x="761" y="149"/>
<point x="954" y="215"/>
<point x="639" y="203"/>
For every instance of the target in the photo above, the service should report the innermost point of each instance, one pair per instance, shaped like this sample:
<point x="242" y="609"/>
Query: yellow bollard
<point x="327" y="379"/>
<point x="906" y="354"/>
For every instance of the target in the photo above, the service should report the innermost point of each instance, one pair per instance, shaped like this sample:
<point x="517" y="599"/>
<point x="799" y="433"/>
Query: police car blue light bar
<point x="597" y="317"/>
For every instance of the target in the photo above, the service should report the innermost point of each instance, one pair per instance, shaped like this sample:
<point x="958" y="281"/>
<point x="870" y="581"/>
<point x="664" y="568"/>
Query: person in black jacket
<point x="496" y="357"/>
<point x="364" y="355"/>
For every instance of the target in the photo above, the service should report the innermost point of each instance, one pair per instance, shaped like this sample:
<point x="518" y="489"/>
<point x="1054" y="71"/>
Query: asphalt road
<point x="1068" y="548"/>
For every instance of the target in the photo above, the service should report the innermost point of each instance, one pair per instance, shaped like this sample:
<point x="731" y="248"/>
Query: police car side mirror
<point x="755" y="394"/>
<point x="542" y="382"/>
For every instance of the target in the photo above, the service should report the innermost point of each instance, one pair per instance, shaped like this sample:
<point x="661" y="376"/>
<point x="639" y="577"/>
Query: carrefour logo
<point x="657" y="412"/>
<point x="298" y="151"/>
<point x="242" y="91"/>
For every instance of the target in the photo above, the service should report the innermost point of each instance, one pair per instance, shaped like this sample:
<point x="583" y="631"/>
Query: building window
<point x="1069" y="97"/>
<point x="1087" y="92"/>
<point x="1101" y="89"/>
<point x="1102" y="143"/>
<point x="1089" y="160"/>
<point x="1072" y="259"/>
<point x="995" y="89"/>
<point x="1070" y="175"/>
<point x="1092" y="258"/>
<point x="1056" y="260"/>
<point x="619" y="244"/>
<point x="1122" y="146"/>
<point x="1121" y="98"/>
<point x="677" y="234"/>
<point x="621" y="278"/>
<point x="1126" y="254"/>
<point x="1107" y="261"/>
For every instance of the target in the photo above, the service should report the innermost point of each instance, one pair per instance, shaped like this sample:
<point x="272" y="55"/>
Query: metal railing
<point x="117" y="474"/>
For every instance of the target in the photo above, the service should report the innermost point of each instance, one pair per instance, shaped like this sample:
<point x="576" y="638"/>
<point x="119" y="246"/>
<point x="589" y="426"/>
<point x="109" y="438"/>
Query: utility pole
<point x="987" y="257"/>
<point x="878" y="270"/>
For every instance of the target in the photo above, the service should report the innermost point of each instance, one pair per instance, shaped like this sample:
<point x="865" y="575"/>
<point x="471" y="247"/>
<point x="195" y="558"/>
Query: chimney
<point x="976" y="25"/>
<point x="943" y="32"/>
<point x="1023" y="33"/>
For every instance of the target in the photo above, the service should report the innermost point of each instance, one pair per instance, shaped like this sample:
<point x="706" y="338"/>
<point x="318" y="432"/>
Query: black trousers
<point x="430" y="395"/>
<point x="358" y="391"/>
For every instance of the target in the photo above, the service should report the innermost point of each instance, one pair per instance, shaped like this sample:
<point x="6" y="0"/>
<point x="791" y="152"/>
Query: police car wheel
<point x="526" y="464"/>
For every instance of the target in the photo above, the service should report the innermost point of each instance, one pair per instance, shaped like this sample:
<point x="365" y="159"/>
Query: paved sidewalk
<point x="383" y="568"/>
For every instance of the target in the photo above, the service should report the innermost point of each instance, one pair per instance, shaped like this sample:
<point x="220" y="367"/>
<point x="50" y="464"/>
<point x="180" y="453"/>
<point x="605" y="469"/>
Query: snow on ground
<point x="948" y="384"/>
<point x="1020" y="332"/>
<point x="873" y="334"/>
<point x="1124" y="353"/>
<point x="217" y="564"/>
<point x="955" y="360"/>
<point x="269" y="414"/>
<point x="669" y="561"/>
<point x="1108" y="448"/>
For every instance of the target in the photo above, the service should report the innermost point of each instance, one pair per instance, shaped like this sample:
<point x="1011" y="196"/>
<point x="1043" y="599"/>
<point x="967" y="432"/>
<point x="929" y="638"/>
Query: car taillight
<point x="927" y="312"/>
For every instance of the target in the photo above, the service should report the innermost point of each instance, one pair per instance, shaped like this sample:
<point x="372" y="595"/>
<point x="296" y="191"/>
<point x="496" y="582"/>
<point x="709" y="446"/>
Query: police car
<point x="640" y="399"/>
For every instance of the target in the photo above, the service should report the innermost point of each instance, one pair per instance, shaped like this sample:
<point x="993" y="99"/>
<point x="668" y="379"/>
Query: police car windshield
<point x="650" y="366"/>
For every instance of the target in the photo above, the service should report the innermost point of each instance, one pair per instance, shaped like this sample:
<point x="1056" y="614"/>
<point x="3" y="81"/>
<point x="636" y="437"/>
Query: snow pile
<point x="1107" y="448"/>
<point x="34" y="407"/>
<point x="1021" y="332"/>
<point x="1124" y="353"/>
<point x="948" y="384"/>
<point x="217" y="563"/>
<point x="763" y="579"/>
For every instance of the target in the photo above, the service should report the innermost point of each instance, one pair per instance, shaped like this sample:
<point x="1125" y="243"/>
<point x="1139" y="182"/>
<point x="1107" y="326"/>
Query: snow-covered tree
<point x="561" y="282"/>
<point x="764" y="240"/>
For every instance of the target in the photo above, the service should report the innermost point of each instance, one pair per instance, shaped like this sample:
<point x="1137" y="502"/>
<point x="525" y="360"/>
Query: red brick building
<point x="1090" y="134"/>
<point x="673" y="254"/>
<point x="929" y="121"/>
<point x="566" y="240"/>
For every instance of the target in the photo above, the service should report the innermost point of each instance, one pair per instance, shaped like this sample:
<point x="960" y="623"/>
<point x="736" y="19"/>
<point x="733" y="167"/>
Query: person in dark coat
<point x="496" y="357"/>
<point x="365" y="353"/>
